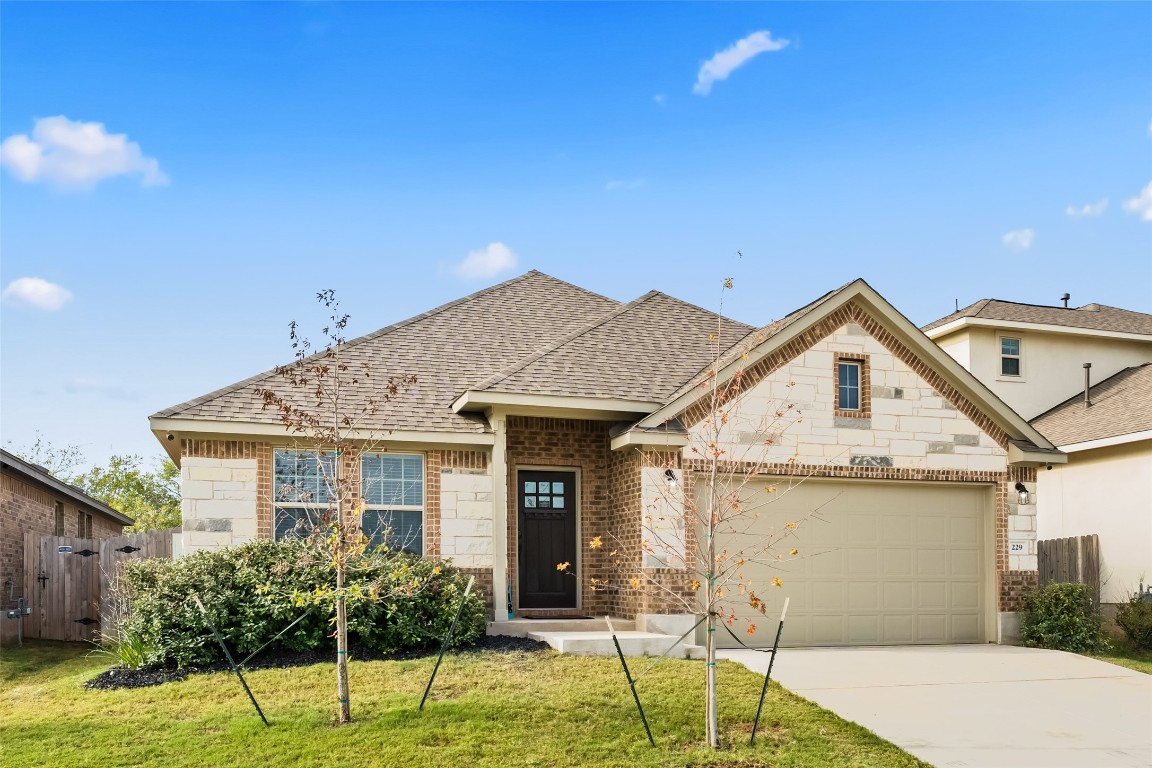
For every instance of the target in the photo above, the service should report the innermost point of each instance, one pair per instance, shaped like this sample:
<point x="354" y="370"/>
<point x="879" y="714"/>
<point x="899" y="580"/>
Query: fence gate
<point x="67" y="580"/>
<point x="1075" y="559"/>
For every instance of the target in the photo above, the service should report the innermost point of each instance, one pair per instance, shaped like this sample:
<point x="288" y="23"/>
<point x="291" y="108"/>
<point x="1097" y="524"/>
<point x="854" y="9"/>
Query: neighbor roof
<point x="1121" y="405"/>
<point x="1096" y="317"/>
<point x="644" y="350"/>
<point x="41" y="475"/>
<point x="448" y="349"/>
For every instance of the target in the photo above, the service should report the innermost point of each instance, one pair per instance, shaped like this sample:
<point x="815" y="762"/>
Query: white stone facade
<point x="218" y="503"/>
<point x="467" y="517"/>
<point x="909" y="425"/>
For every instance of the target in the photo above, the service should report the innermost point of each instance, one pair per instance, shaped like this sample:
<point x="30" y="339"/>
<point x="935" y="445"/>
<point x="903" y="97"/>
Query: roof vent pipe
<point x="1087" y="384"/>
<point x="1065" y="298"/>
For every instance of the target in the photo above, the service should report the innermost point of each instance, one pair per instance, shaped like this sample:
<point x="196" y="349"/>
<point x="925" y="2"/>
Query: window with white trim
<point x="302" y="487"/>
<point x="392" y="489"/>
<point x="1010" y="357"/>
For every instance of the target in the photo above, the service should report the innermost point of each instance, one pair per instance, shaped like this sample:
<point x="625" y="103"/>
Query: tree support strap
<point x="231" y="661"/>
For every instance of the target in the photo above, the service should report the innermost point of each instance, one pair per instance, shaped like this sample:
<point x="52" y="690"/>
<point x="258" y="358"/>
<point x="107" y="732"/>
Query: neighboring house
<point x="1106" y="486"/>
<point x="538" y="406"/>
<point x="33" y="501"/>
<point x="1033" y="357"/>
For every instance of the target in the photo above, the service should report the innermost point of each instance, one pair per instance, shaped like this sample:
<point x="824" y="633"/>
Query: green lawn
<point x="487" y="709"/>
<point x="1125" y="655"/>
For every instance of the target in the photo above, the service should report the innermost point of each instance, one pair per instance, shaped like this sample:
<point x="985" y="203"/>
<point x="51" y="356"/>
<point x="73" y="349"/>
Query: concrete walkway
<point x="986" y="706"/>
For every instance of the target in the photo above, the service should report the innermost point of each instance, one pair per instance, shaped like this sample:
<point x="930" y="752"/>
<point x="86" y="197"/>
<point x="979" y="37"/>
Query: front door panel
<point x="546" y="503"/>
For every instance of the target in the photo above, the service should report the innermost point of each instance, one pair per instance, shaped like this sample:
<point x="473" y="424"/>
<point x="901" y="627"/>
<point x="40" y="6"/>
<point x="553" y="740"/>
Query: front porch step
<point x="525" y="627"/>
<point x="632" y="643"/>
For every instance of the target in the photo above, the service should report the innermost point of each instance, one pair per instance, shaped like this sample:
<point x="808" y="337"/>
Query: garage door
<point x="879" y="564"/>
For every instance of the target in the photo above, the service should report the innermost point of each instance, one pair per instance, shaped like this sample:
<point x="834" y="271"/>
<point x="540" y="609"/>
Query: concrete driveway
<point x="989" y="706"/>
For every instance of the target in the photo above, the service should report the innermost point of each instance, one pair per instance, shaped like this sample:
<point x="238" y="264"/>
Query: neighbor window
<point x="1009" y="356"/>
<point x="392" y="489"/>
<point x="79" y="524"/>
<point x="87" y="526"/>
<point x="302" y="486"/>
<point x="59" y="518"/>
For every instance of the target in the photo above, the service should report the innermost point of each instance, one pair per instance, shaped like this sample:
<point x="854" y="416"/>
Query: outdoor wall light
<point x="670" y="477"/>
<point x="1023" y="491"/>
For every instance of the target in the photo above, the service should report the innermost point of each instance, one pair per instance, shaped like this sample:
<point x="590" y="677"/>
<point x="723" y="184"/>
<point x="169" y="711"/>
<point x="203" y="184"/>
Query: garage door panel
<point x="886" y="563"/>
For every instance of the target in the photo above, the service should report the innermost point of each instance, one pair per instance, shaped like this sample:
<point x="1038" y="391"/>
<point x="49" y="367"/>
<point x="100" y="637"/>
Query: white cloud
<point x="35" y="292"/>
<point x="1141" y="204"/>
<point x="1019" y="240"/>
<point x="660" y="99"/>
<point x="489" y="262"/>
<point x="732" y="58"/>
<point x="75" y="154"/>
<point x="616" y="184"/>
<point x="1091" y="209"/>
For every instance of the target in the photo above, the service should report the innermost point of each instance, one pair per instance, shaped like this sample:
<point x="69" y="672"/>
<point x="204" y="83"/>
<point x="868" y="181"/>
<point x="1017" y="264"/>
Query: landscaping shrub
<point x="1062" y="617"/>
<point x="253" y="591"/>
<point x="1135" y="618"/>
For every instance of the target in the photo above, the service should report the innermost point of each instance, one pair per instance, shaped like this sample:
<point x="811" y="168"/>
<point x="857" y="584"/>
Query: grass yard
<point x="487" y="709"/>
<point x="1125" y="655"/>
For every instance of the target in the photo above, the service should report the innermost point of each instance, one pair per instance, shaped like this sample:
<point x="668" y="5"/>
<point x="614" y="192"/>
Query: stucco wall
<point x="1107" y="492"/>
<point x="1052" y="364"/>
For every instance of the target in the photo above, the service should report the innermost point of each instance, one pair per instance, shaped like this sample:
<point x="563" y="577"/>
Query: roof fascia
<point x="651" y="440"/>
<point x="594" y="408"/>
<point x="1105" y="442"/>
<point x="867" y="297"/>
<point x="37" y="475"/>
<point x="1018" y="325"/>
<point x="1018" y="457"/>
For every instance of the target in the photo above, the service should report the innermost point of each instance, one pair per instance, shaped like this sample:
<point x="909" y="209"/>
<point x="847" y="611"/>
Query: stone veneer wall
<point x="547" y="442"/>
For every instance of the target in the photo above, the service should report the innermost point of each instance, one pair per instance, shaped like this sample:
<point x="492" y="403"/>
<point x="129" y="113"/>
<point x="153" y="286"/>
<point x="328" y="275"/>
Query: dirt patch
<point x="145" y="677"/>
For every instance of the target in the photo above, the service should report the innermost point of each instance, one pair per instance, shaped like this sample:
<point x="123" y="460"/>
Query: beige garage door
<point x="879" y="564"/>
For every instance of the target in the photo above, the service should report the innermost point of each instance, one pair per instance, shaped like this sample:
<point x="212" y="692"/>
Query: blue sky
<point x="182" y="178"/>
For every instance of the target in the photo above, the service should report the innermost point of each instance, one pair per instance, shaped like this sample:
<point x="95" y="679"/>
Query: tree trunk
<point x="345" y="715"/>
<point x="713" y="718"/>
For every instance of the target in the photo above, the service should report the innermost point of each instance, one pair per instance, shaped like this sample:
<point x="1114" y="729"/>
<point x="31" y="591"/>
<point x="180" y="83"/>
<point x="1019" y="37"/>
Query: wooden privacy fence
<point x="70" y="582"/>
<point x="1076" y="559"/>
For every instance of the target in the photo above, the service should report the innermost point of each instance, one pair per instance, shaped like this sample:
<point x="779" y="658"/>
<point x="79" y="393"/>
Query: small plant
<point x="1062" y="617"/>
<point x="127" y="646"/>
<point x="1135" y="618"/>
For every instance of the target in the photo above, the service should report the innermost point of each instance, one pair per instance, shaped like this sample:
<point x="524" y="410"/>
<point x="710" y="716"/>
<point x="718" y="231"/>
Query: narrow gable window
<point x="1009" y="356"/>
<point x="852" y="386"/>
<point x="59" y="529"/>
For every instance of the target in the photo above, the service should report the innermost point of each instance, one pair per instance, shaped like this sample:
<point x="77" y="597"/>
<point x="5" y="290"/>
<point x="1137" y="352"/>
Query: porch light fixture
<point x="1023" y="491"/>
<point x="670" y="477"/>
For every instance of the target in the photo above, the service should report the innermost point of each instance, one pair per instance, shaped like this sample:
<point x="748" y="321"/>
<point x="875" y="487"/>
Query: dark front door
<point x="547" y="537"/>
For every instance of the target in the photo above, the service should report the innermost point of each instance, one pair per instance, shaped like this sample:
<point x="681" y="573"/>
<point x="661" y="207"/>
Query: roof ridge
<point x="371" y="336"/>
<point x="524" y="362"/>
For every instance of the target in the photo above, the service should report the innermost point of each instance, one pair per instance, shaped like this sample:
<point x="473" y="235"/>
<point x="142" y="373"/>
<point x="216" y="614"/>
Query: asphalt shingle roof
<point x="644" y="350"/>
<point x="448" y="349"/>
<point x="1097" y="317"/>
<point x="1121" y="405"/>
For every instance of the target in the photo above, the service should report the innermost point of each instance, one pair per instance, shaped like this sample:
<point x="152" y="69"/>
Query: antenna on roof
<point x="1065" y="299"/>
<point x="957" y="305"/>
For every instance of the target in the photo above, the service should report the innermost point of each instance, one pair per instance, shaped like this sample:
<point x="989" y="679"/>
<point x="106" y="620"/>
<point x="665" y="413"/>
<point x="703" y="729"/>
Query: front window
<point x="392" y="488"/>
<point x="1009" y="356"/>
<point x="302" y="488"/>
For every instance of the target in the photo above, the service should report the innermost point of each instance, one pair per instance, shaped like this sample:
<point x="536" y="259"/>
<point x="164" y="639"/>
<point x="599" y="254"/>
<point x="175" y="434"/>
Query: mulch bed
<point x="145" y="677"/>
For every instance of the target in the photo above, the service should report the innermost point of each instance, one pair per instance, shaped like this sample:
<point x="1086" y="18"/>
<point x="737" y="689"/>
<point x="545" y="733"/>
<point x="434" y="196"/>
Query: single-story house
<point x="1040" y="360"/>
<point x="32" y="500"/>
<point x="544" y="416"/>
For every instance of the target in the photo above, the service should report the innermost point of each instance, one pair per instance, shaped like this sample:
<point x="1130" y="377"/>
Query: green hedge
<point x="1063" y="617"/>
<point x="248" y="591"/>
<point x="1135" y="618"/>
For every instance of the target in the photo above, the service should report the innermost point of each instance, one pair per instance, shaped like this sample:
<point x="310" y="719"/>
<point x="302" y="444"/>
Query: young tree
<point x="325" y="406"/>
<point x="705" y="520"/>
